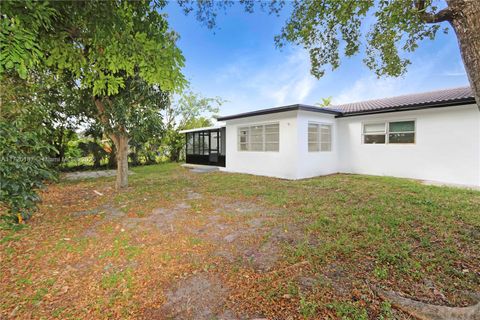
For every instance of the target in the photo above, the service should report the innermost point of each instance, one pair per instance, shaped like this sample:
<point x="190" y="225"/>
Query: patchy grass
<point x="332" y="238"/>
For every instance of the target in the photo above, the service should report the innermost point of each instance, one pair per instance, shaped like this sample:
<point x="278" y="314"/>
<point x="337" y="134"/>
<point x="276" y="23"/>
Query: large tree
<point x="134" y="112"/>
<point x="101" y="43"/>
<point x="329" y="29"/>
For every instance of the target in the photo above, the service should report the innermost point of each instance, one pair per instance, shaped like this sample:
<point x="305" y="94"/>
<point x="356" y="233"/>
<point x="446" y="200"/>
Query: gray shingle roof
<point x="432" y="98"/>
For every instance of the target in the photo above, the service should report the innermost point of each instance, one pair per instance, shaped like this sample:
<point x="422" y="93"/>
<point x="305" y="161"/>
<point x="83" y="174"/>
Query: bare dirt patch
<point x="166" y="220"/>
<point x="201" y="296"/>
<point x="237" y="232"/>
<point x="109" y="212"/>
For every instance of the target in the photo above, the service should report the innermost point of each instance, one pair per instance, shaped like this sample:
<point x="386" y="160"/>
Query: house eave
<point x="293" y="107"/>
<point x="428" y="105"/>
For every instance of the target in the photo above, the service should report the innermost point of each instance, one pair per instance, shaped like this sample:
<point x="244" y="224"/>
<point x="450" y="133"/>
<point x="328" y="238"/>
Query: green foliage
<point x="136" y="110"/>
<point x="38" y="118"/>
<point x="190" y="106"/>
<point x="380" y="272"/>
<point x="23" y="169"/>
<point x="67" y="108"/>
<point x="101" y="43"/>
<point x="386" y="312"/>
<point x="19" y="47"/>
<point x="187" y="113"/>
<point x="24" y="163"/>
<point x="331" y="28"/>
<point x="94" y="148"/>
<point x="325" y="102"/>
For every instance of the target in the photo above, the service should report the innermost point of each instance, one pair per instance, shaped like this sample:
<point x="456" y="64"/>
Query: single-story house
<point x="429" y="136"/>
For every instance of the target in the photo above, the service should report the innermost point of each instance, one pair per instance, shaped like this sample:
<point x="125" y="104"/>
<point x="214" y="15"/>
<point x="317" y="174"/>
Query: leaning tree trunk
<point x="465" y="20"/>
<point x="121" y="145"/>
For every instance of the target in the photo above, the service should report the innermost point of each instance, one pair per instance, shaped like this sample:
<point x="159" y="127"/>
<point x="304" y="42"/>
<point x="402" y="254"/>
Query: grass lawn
<point x="176" y="244"/>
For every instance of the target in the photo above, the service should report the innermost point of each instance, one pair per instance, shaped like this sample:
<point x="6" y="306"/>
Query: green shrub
<point x="24" y="167"/>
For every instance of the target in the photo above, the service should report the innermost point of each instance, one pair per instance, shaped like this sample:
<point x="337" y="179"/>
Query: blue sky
<point x="238" y="61"/>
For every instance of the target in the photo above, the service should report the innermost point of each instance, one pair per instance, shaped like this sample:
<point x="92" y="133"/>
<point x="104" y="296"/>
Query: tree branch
<point x="442" y="15"/>
<point x="101" y="111"/>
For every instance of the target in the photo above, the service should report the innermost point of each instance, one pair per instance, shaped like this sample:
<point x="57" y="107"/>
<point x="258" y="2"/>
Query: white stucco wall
<point x="447" y="147"/>
<point x="281" y="164"/>
<point x="312" y="164"/>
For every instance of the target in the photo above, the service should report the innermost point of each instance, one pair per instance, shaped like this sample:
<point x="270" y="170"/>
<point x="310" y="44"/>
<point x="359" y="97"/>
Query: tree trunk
<point x="465" y="21"/>
<point x="424" y="311"/>
<point x="175" y="155"/>
<point x="120" y="140"/>
<point x="112" y="158"/>
<point x="121" y="145"/>
<point x="97" y="153"/>
<point x="61" y="147"/>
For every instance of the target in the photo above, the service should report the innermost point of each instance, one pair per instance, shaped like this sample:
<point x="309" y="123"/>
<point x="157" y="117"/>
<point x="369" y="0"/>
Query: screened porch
<point x="206" y="146"/>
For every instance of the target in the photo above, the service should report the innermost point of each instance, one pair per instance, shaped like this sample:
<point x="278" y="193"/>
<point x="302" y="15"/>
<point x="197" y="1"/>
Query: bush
<point x="24" y="167"/>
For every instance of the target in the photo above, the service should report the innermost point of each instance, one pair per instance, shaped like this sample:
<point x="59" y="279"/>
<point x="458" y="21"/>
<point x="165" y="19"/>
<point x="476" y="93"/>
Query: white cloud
<point x="370" y="87"/>
<point x="457" y="71"/>
<point x="423" y="75"/>
<point x="286" y="82"/>
<point x="252" y="81"/>
<point x="454" y="74"/>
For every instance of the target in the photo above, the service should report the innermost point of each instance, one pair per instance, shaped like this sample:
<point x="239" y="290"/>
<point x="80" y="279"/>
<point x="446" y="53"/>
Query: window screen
<point x="189" y="143"/>
<point x="259" y="138"/>
<point x="319" y="137"/>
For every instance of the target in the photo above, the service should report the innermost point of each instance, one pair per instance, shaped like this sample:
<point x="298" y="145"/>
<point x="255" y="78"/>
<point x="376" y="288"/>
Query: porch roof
<point x="215" y="127"/>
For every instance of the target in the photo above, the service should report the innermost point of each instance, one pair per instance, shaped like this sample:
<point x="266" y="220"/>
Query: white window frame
<point x="387" y="131"/>
<point x="319" y="136"/>
<point x="384" y="133"/>
<point x="264" y="143"/>
<point x="401" y="143"/>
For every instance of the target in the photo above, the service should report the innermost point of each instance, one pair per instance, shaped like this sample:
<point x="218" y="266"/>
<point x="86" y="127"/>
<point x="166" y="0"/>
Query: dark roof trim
<point x="427" y="105"/>
<point x="339" y="114"/>
<point x="292" y="107"/>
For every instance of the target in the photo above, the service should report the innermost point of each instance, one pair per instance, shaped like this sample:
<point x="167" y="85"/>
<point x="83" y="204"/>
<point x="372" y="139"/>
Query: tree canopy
<point x="100" y="42"/>
<point x="386" y="31"/>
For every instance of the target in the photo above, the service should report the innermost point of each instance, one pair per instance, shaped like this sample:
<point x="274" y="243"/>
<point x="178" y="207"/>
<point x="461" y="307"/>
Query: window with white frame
<point x="374" y="133"/>
<point x="389" y="132"/>
<point x="263" y="137"/>
<point x="319" y="137"/>
<point x="401" y="132"/>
